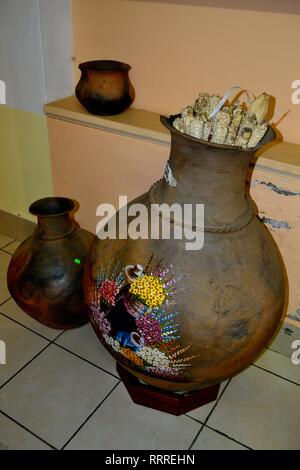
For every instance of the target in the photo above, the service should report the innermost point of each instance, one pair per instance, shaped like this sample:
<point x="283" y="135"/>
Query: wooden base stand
<point x="163" y="400"/>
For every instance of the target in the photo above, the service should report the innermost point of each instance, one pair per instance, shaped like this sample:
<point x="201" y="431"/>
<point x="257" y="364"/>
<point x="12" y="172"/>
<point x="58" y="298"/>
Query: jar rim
<point x="51" y="206"/>
<point x="105" y="66"/>
<point x="270" y="136"/>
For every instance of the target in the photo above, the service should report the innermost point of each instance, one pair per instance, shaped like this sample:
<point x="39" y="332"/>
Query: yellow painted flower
<point x="149" y="290"/>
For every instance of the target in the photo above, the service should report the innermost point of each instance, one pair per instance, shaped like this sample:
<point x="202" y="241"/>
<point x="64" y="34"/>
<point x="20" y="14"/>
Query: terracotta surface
<point x="45" y="273"/>
<point x="104" y="87"/>
<point x="226" y="299"/>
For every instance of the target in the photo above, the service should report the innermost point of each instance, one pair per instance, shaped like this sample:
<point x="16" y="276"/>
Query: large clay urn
<point x="183" y="319"/>
<point x="45" y="273"/>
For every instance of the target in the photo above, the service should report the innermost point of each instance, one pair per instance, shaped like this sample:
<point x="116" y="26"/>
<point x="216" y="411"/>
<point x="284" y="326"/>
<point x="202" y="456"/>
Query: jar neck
<point x="55" y="227"/>
<point x="209" y="175"/>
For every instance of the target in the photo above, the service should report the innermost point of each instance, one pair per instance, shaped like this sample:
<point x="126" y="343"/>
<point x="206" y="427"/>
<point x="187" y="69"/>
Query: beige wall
<point x="94" y="166"/>
<point x="25" y="170"/>
<point x="178" y="48"/>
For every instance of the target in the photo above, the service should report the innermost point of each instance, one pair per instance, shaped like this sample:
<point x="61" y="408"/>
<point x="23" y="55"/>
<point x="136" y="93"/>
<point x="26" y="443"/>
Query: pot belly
<point x="184" y="320"/>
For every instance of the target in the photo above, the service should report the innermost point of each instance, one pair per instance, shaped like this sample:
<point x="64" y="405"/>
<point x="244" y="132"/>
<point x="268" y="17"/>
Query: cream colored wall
<point x="177" y="49"/>
<point x="25" y="169"/>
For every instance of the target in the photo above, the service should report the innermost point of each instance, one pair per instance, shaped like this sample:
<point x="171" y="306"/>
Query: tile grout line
<point x="219" y="432"/>
<point x="228" y="437"/>
<point x="28" y="430"/>
<point x="32" y="359"/>
<point x="276" y="375"/>
<point x="99" y="367"/>
<point x="86" y="360"/>
<point x="208" y="416"/>
<point x="7" y="252"/>
<point x="30" y="329"/>
<point x="25" y="365"/>
<point x="4" y="301"/>
<point x="196" y="437"/>
<point x="194" y="419"/>
<point x="4" y="246"/>
<point x="58" y="345"/>
<point x="90" y="415"/>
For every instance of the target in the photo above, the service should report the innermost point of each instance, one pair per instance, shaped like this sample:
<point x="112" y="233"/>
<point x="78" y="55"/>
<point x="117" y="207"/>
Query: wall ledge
<point x="132" y="122"/>
<point x="283" y="158"/>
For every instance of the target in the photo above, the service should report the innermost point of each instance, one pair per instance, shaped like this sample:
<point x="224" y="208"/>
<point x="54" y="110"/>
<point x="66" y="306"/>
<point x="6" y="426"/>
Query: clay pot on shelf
<point x="45" y="273"/>
<point x="104" y="87"/>
<point x="180" y="319"/>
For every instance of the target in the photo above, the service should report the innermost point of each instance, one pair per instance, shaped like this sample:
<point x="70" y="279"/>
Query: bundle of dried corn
<point x="230" y="125"/>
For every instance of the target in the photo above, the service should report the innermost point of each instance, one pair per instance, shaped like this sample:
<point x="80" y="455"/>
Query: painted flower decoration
<point x="101" y="321"/>
<point x="149" y="329"/>
<point x="154" y="357"/>
<point x="149" y="290"/>
<point x="112" y="342"/>
<point x="132" y="356"/>
<point x="108" y="291"/>
<point x="166" y="373"/>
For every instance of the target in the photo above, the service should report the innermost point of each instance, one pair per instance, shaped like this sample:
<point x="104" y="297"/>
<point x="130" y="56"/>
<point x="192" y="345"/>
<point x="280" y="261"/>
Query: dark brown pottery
<point x="45" y="273"/>
<point x="104" y="87"/>
<point x="184" y="320"/>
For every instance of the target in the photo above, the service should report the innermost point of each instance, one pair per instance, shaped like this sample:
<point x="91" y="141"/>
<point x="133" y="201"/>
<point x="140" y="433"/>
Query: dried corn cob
<point x="220" y="132"/>
<point x="178" y="124"/>
<point x="231" y="136"/>
<point x="187" y="111"/>
<point x="231" y="125"/>
<point x="223" y="117"/>
<point x="212" y="103"/>
<point x="201" y="103"/>
<point x="257" y="134"/>
<point x="196" y="127"/>
<point x="207" y="129"/>
<point x="237" y="116"/>
<point x="243" y="137"/>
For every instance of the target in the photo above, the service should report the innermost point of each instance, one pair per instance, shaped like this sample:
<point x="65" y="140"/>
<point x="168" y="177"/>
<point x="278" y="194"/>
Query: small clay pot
<point x="104" y="87"/>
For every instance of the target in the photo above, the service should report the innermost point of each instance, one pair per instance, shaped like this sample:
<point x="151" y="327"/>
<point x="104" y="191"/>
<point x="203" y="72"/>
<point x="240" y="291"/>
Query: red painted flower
<point x="108" y="291"/>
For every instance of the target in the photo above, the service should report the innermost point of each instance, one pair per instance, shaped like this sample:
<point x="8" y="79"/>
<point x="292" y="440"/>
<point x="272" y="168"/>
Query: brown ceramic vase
<point x="181" y="319"/>
<point x="104" y="87"/>
<point x="45" y="273"/>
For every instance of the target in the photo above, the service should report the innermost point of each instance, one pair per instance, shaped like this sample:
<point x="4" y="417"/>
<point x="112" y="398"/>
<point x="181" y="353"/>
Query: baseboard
<point x="14" y="226"/>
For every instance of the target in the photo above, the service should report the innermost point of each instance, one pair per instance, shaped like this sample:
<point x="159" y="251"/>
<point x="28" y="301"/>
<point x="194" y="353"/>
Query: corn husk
<point x="259" y="107"/>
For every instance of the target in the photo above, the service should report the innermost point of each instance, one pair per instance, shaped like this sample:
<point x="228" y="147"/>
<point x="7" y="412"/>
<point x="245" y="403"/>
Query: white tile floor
<point x="61" y="390"/>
